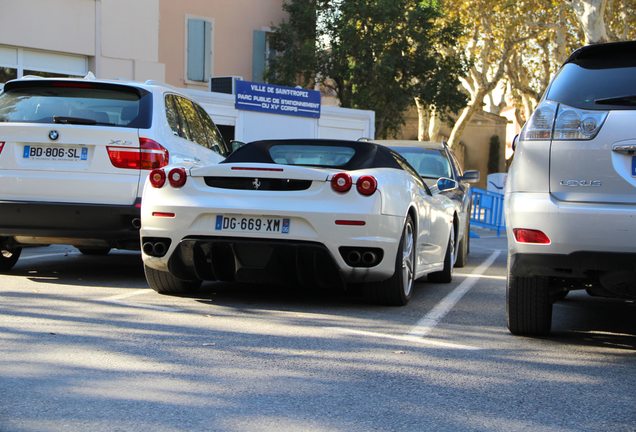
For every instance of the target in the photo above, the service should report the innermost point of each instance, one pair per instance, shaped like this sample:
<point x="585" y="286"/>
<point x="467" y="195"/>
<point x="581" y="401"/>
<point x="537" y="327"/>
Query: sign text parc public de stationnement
<point x="277" y="99"/>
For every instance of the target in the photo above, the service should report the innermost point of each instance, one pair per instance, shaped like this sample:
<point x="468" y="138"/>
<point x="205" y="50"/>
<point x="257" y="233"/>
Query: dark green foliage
<point x="493" y="154"/>
<point x="377" y="54"/>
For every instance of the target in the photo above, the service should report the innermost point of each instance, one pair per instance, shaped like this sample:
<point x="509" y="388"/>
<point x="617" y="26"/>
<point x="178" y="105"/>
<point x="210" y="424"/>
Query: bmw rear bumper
<point x="70" y="223"/>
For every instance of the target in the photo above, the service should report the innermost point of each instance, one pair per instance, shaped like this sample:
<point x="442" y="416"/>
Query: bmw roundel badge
<point x="53" y="135"/>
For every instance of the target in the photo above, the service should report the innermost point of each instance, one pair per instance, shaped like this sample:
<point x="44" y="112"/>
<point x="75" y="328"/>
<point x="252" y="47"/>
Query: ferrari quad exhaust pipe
<point x="361" y="257"/>
<point x="353" y="258"/>
<point x="155" y="247"/>
<point x="369" y="258"/>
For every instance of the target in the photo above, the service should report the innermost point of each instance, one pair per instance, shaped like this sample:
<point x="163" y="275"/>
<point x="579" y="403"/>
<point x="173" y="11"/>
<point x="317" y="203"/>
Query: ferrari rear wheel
<point x="8" y="257"/>
<point x="446" y="275"/>
<point x="397" y="290"/>
<point x="166" y="283"/>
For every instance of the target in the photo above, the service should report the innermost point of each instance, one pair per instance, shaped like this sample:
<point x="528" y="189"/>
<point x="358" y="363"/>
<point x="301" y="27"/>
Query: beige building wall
<point x="128" y="39"/>
<point x="233" y="23"/>
<point x="116" y="38"/>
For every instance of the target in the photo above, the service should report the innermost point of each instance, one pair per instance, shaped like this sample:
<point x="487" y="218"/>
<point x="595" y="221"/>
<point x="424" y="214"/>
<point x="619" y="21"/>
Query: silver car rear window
<point x="597" y="88"/>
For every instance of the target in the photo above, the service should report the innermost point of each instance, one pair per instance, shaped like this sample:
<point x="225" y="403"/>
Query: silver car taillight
<point x="570" y="123"/>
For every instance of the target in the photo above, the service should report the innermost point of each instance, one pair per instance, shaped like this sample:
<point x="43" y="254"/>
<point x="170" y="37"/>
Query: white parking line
<point x="117" y="299"/>
<point x="126" y="295"/>
<point x="407" y="338"/>
<point x="431" y="319"/>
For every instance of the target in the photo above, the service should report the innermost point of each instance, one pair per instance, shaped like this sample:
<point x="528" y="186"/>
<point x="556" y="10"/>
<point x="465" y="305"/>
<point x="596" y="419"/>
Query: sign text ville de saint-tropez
<point x="277" y="99"/>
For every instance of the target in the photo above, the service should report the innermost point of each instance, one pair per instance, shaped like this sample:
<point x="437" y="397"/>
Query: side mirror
<point x="515" y="140"/>
<point x="446" y="184"/>
<point x="470" y="176"/>
<point x="235" y="145"/>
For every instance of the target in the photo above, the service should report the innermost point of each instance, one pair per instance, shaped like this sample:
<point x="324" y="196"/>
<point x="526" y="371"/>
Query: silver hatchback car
<point x="570" y="199"/>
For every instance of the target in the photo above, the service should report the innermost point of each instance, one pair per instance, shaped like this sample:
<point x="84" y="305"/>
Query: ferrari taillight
<point x="157" y="178"/>
<point x="367" y="185"/>
<point x="177" y="177"/>
<point x="341" y="182"/>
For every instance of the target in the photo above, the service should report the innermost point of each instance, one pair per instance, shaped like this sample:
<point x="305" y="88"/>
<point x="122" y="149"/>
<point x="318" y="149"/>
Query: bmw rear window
<point x="595" y="88"/>
<point x="71" y="102"/>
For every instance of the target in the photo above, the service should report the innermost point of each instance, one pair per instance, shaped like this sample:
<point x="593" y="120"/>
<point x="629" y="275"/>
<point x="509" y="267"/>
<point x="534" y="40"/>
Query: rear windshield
<point x="595" y="88"/>
<point x="324" y="156"/>
<point x="342" y="154"/>
<point x="429" y="163"/>
<point x="75" y="103"/>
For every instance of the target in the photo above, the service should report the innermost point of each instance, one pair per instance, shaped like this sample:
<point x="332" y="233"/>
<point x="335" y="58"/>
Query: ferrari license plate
<point x="255" y="224"/>
<point x="634" y="166"/>
<point x="61" y="153"/>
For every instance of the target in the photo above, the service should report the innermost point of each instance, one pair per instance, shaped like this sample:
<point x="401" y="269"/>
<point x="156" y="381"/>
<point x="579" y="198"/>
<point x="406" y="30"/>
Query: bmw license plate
<point x="59" y="153"/>
<point x="252" y="224"/>
<point x="634" y="166"/>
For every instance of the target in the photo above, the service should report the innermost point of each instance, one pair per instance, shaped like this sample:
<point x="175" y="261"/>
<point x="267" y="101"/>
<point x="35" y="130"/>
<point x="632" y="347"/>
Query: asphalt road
<point x="86" y="346"/>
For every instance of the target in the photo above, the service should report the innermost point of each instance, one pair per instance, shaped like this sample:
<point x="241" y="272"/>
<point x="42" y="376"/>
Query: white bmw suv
<point x="570" y="200"/>
<point x="74" y="155"/>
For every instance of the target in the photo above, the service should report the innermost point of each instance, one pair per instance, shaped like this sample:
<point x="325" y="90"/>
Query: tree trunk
<point x="464" y="119"/>
<point x="422" y="117"/>
<point x="590" y="14"/>
<point x="434" y="126"/>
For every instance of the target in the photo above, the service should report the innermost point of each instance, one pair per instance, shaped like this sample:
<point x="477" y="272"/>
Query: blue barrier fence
<point x="487" y="211"/>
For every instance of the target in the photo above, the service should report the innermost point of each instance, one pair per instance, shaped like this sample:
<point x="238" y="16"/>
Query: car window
<point x="326" y="156"/>
<point x="214" y="138"/>
<point x="429" y="163"/>
<point x="173" y="117"/>
<point x="584" y="88"/>
<point x="75" y="103"/>
<point x="455" y="162"/>
<point x="191" y="118"/>
<point x="404" y="163"/>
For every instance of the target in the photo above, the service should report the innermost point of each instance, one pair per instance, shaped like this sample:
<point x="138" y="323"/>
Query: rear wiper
<point x="73" y="120"/>
<point x="618" y="100"/>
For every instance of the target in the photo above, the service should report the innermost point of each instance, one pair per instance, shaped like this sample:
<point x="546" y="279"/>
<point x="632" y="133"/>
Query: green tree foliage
<point x="375" y="54"/>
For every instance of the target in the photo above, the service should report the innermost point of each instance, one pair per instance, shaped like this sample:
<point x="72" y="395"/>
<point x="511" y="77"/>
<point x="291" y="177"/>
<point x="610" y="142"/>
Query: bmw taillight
<point x="153" y="154"/>
<point x="157" y="178"/>
<point x="177" y="177"/>
<point x="552" y="120"/>
<point x="149" y="155"/>
<point x="341" y="182"/>
<point x="1" y="146"/>
<point x="367" y="185"/>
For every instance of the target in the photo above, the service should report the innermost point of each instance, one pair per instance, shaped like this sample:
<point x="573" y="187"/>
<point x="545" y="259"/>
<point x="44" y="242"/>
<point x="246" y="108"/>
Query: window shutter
<point x="258" y="55"/>
<point x="199" y="49"/>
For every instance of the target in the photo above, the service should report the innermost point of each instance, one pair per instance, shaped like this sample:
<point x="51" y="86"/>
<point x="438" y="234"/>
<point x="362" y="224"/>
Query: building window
<point x="199" y="49"/>
<point x="262" y="53"/>
<point x="18" y="62"/>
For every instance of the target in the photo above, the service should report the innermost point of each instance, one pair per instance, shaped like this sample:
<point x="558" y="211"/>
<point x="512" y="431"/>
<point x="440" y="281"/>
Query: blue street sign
<point x="277" y="99"/>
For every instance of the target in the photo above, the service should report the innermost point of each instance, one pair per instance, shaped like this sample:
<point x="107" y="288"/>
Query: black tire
<point x="398" y="289"/>
<point x="462" y="248"/>
<point x="8" y="257"/>
<point x="166" y="283"/>
<point x="446" y="275"/>
<point x="98" y="251"/>
<point x="528" y="305"/>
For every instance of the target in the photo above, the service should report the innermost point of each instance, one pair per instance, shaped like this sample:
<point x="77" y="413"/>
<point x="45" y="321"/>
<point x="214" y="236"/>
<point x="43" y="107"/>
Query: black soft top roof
<point x="367" y="154"/>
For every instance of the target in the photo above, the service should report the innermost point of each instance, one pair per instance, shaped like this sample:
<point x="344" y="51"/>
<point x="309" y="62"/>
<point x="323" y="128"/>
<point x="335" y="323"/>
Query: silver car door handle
<point x="624" y="148"/>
